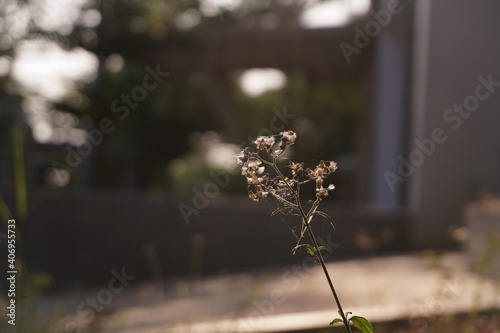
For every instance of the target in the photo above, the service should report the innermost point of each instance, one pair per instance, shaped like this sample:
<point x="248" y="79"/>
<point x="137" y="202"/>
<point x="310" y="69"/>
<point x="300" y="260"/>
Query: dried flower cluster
<point x="321" y="172"/>
<point x="286" y="188"/>
<point x="260" y="184"/>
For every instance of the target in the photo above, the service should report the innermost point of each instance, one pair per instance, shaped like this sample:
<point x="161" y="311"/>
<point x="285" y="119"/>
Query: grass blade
<point x="326" y="216"/>
<point x="19" y="172"/>
<point x="281" y="208"/>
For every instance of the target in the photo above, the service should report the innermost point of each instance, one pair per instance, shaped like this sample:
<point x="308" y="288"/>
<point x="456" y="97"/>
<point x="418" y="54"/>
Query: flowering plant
<point x="286" y="189"/>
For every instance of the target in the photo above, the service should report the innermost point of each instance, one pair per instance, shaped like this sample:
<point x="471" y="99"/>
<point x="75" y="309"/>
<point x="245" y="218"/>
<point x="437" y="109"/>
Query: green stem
<point x="321" y="260"/>
<point x="19" y="172"/>
<point x="306" y="220"/>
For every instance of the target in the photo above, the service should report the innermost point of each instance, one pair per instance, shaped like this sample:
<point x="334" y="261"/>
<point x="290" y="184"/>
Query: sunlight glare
<point x="256" y="81"/>
<point x="57" y="177"/>
<point x="188" y="19"/>
<point x="42" y="132"/>
<point x="222" y="155"/>
<point x="115" y="62"/>
<point x="214" y="7"/>
<point x="57" y="16"/>
<point x="333" y="13"/>
<point x="43" y="67"/>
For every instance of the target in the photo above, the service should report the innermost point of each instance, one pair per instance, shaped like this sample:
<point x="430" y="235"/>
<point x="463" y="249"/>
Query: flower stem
<point x="321" y="260"/>
<point x="307" y="219"/>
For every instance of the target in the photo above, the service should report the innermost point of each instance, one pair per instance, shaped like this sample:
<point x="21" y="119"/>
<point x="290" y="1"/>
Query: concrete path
<point x="298" y="297"/>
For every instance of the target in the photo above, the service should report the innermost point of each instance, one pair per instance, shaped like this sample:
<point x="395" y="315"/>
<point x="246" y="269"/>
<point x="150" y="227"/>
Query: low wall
<point x="83" y="236"/>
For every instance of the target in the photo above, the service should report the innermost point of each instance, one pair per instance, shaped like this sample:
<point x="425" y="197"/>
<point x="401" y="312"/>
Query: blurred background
<point x="120" y="122"/>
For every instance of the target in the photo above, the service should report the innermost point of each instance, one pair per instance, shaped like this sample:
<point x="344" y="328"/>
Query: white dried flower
<point x="287" y="139"/>
<point x="264" y="142"/>
<point x="289" y="135"/>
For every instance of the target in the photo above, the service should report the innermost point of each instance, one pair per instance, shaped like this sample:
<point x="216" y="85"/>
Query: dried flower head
<point x="296" y="169"/>
<point x="253" y="170"/>
<point x="287" y="139"/>
<point x="253" y="167"/>
<point x="244" y="156"/>
<point x="332" y="167"/>
<point x="264" y="142"/>
<point x="321" y="172"/>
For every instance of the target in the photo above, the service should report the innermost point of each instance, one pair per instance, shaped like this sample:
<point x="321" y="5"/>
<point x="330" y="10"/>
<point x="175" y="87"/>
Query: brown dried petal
<point x="319" y="183"/>
<point x="332" y="166"/>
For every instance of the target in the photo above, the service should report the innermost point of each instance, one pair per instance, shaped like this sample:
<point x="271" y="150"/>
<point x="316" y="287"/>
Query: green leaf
<point x="311" y="249"/>
<point x="281" y="208"/>
<point x="346" y="314"/>
<point x="363" y="324"/>
<point x="326" y="216"/>
<point x="336" y="320"/>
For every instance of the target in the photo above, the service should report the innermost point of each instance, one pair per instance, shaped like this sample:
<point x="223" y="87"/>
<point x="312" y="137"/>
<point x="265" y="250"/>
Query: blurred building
<point x="422" y="143"/>
<point x="436" y="117"/>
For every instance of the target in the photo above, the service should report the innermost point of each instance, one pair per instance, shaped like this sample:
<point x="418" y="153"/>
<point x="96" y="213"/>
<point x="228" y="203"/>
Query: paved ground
<point x="295" y="297"/>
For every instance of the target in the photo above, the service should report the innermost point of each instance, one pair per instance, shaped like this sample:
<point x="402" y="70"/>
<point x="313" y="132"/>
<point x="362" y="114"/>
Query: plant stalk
<point x="315" y="243"/>
<point x="321" y="260"/>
